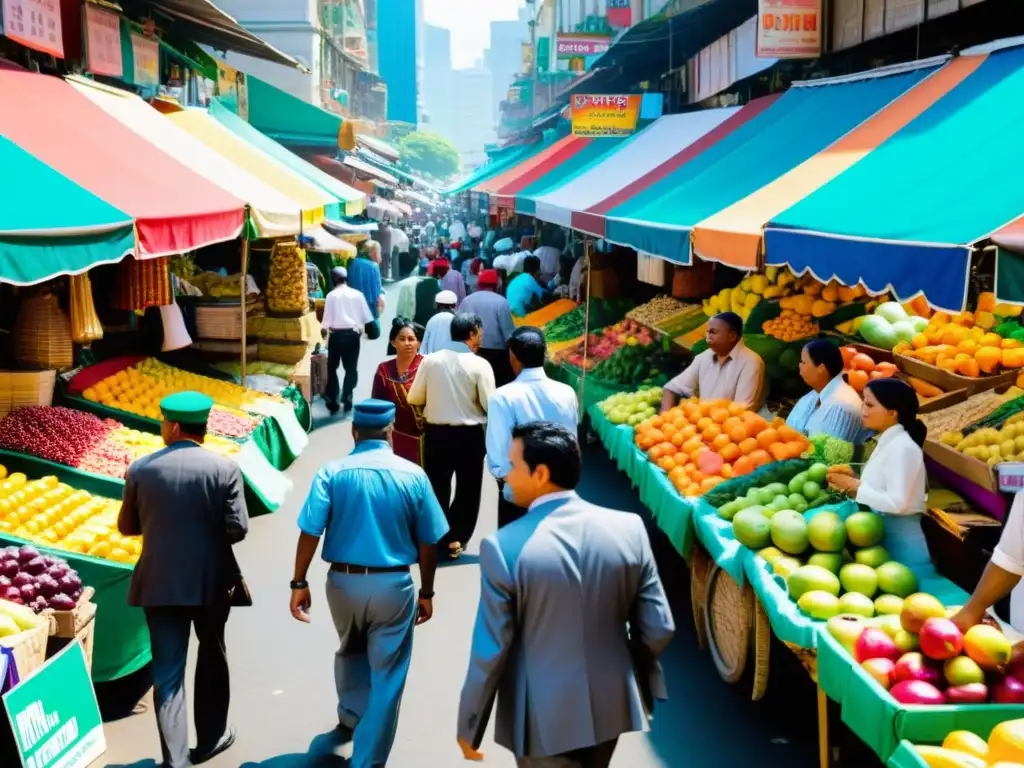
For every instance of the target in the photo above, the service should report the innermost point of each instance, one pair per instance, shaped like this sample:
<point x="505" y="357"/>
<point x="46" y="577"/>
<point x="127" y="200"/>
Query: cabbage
<point x="920" y="323"/>
<point x="904" y="330"/>
<point x="891" y="311"/>
<point x="878" y="332"/>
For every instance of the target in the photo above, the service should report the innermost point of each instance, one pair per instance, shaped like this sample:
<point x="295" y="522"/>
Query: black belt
<point x="366" y="569"/>
<point x="343" y="330"/>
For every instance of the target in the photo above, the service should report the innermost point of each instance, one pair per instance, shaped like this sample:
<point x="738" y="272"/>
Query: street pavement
<point x="283" y="701"/>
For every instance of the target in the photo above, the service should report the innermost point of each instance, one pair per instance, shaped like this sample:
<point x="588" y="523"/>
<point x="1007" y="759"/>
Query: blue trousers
<point x="374" y="616"/>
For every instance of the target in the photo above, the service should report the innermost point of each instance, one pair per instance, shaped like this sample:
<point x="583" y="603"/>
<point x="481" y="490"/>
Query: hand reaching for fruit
<point x="845" y="483"/>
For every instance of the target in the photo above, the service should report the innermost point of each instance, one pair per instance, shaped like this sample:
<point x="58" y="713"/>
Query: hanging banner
<point x="102" y="42"/>
<point x="35" y="24"/>
<point x="527" y="58"/>
<point x="146" y="59"/>
<point x="233" y="89"/>
<point x="602" y="115"/>
<point x="571" y="46"/>
<point x="620" y="13"/>
<point x="54" y="715"/>
<point x="789" y="29"/>
<point x="900" y="14"/>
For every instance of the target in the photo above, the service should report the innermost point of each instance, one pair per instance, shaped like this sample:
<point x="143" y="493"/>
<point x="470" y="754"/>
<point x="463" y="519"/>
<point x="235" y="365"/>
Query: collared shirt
<point x="494" y="310"/>
<point x="550" y="259"/>
<point x="345" y="308"/>
<point x="740" y="377"/>
<point x="375" y="508"/>
<point x="399" y="240"/>
<point x="836" y="411"/>
<point x="438" y="333"/>
<point x="364" y="276"/>
<point x="457" y="231"/>
<point x="893" y="479"/>
<point x="1009" y="552"/>
<point x="454" y="386"/>
<point x="452" y="281"/>
<point x="531" y="397"/>
<point x="521" y="291"/>
<point x="549" y="497"/>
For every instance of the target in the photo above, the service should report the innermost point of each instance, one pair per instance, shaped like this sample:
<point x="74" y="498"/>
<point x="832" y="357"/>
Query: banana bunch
<point x="286" y="284"/>
<point x="212" y="284"/>
<point x="85" y="324"/>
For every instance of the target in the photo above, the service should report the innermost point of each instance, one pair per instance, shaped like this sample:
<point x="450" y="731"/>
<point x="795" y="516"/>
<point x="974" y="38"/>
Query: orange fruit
<point x="706" y="407"/>
<point x="730" y="452"/>
<point x="738" y="433"/>
<point x="742" y="466"/>
<point x="736" y="408"/>
<point x="693" y="490"/>
<point x="719" y="415"/>
<point x="682" y="460"/>
<point x="678" y="439"/>
<point x="657" y="421"/>
<point x="760" y="457"/>
<point x="703" y="423"/>
<point x="689" y="467"/>
<point x="691" y="411"/>
<point x="676" y="473"/>
<point x="755" y="425"/>
<point x="720" y="441"/>
<point x="787" y="433"/>
<point x="667" y="463"/>
<point x="697" y="476"/>
<point x="711" y="432"/>
<point x="688" y="431"/>
<point x="779" y="451"/>
<point x="748" y="445"/>
<point x="658" y="435"/>
<point x="669" y="430"/>
<point x="654" y="453"/>
<point x="693" y="444"/>
<point x="767" y="437"/>
<point x="726" y="471"/>
<point x="710" y="482"/>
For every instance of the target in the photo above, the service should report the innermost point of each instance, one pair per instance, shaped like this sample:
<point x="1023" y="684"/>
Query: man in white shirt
<point x="550" y="262"/>
<point x="438" y="333"/>
<point x="531" y="397"/>
<point x="454" y="386"/>
<point x="346" y="314"/>
<point x="457" y="231"/>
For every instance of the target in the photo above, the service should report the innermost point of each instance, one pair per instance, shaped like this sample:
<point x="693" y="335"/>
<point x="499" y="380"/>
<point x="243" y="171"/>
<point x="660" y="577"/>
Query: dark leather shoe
<point x="197" y="756"/>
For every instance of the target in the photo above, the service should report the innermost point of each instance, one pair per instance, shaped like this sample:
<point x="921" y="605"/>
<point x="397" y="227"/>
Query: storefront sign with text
<point x="789" y="29"/>
<point x="102" y="42"/>
<point x="146" y="58"/>
<point x="54" y="716"/>
<point x="570" y="46"/>
<point x="603" y="115"/>
<point x="35" y="24"/>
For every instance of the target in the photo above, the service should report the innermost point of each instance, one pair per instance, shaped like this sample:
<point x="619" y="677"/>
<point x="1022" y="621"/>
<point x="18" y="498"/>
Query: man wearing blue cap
<point x="188" y="504"/>
<point x="377" y="514"/>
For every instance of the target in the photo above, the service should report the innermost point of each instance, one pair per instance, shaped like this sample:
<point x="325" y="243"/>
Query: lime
<point x="817" y="472"/>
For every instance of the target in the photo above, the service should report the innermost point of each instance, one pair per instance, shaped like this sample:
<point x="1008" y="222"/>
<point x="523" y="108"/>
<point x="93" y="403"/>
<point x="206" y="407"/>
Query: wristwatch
<point x="301" y="584"/>
<point x="424" y="595"/>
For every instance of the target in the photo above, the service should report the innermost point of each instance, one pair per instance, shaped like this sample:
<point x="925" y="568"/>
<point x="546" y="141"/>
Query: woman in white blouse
<point x="892" y="482"/>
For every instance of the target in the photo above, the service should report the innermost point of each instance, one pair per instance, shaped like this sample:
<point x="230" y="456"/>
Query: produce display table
<point x="906" y="756"/>
<point x="121" y="644"/>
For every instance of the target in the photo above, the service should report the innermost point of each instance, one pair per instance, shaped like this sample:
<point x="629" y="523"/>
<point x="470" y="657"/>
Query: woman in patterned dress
<point x="392" y="381"/>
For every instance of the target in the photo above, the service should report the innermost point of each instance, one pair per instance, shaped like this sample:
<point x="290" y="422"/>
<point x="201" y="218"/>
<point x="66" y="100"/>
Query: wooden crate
<point x="29" y="647"/>
<point x="69" y="623"/>
<point x="219" y="322"/>
<point x="86" y="635"/>
<point x="951" y="381"/>
<point x="20" y="389"/>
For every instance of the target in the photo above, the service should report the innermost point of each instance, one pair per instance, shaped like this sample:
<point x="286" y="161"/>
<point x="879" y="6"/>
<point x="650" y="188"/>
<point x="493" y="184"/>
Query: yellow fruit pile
<point x="286" y="283"/>
<point x="53" y="514"/>
<point x="218" y="286"/>
<point x="790" y="326"/>
<point x="964" y="344"/>
<point x="964" y="749"/>
<point x="140" y="389"/>
<point x="140" y="444"/>
<point x="991" y="445"/>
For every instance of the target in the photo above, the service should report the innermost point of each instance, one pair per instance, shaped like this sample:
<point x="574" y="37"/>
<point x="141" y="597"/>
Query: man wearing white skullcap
<point x="438" y="333"/>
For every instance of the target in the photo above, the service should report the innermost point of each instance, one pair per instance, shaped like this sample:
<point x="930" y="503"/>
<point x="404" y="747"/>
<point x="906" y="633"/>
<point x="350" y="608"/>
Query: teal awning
<point x="582" y="161"/>
<point x="499" y="162"/>
<point x="353" y="200"/>
<point x="289" y="119"/>
<point x="51" y="226"/>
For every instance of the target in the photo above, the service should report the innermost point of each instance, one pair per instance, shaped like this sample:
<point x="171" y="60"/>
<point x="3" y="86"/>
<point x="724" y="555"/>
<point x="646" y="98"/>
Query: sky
<point x="469" y="22"/>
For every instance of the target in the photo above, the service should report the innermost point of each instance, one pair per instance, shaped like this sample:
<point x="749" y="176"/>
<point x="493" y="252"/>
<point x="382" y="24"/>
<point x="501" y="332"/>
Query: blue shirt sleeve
<point x="317" y="509"/>
<point x="839" y="422"/>
<point x="499" y="436"/>
<point x="431" y="524"/>
<point x="801" y="412"/>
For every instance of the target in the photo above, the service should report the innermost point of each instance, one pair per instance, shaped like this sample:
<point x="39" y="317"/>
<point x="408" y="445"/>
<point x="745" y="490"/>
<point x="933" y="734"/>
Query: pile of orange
<point x="701" y="443"/>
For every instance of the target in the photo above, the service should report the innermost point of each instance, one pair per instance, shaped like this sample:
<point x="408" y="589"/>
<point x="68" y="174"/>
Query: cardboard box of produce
<point x="952" y="381"/>
<point x="968" y="467"/>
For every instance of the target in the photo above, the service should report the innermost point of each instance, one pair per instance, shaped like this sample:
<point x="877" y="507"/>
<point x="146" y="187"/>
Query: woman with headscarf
<point x="392" y="381"/>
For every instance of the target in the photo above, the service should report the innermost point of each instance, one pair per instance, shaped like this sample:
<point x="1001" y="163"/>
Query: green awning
<point x="288" y="119"/>
<point x="353" y="199"/>
<point x="50" y="226"/>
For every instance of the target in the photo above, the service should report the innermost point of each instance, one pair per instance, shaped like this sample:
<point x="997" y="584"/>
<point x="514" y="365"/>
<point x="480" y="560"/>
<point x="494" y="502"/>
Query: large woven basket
<point x="42" y="336"/>
<point x="219" y="322"/>
<point x="728" y="615"/>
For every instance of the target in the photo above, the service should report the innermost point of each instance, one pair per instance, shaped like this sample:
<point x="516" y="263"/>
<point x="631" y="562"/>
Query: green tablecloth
<point x="880" y="721"/>
<point x="590" y="391"/>
<point x="122" y="640"/>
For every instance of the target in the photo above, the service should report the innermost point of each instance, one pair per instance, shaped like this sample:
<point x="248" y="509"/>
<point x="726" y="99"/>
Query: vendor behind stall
<point x="525" y="290"/>
<point x="892" y="482"/>
<point x="726" y="370"/>
<point x="832" y="407"/>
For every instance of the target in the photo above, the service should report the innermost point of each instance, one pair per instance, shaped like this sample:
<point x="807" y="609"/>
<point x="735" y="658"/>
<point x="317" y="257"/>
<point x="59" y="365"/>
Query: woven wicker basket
<point x="286" y="352"/>
<point x="700" y="566"/>
<point x="762" y="651"/>
<point x="728" y="612"/>
<point x="219" y="322"/>
<point x="42" y="336"/>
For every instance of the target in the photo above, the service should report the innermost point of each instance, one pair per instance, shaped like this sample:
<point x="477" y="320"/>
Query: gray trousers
<point x="374" y="615"/>
<point x="169" y="631"/>
<point x="599" y="756"/>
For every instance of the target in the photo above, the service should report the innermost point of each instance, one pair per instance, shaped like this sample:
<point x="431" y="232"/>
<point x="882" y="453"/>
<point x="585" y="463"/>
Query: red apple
<point x="940" y="639"/>
<point x="882" y="670"/>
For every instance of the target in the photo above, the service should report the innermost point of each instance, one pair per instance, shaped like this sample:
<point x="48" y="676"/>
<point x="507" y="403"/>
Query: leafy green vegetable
<point x="573" y="324"/>
<point x="998" y="417"/>
<point x="831" y="450"/>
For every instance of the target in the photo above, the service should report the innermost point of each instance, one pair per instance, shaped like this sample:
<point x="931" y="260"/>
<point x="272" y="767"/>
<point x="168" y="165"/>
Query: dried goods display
<point x="956" y="417"/>
<point x="657" y="309"/>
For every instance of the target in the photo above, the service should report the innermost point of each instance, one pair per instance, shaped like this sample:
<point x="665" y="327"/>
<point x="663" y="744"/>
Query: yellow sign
<point x="604" y="115"/>
<point x="232" y="89"/>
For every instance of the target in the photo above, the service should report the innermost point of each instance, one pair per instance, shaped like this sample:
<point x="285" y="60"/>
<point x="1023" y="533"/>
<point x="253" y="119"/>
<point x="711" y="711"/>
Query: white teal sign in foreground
<point x="54" y="715"/>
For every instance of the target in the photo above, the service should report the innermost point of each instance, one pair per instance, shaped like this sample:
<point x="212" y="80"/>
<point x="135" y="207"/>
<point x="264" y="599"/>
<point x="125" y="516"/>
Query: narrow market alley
<point x="283" y="697"/>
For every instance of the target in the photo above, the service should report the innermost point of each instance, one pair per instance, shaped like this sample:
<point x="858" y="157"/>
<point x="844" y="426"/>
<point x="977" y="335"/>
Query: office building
<point x="399" y="43"/>
<point x="473" y="121"/>
<point x="438" y="99"/>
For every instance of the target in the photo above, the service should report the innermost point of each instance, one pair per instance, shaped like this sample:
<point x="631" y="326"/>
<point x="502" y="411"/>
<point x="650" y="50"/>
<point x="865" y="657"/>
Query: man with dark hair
<point x="346" y="314"/>
<point x="531" y="397"/>
<point x="498" y="324"/>
<point x="189" y="505"/>
<point x="567" y="572"/>
<point x="726" y="370"/>
<point x="525" y="289"/>
<point x="377" y="515"/>
<point x="455" y="386"/>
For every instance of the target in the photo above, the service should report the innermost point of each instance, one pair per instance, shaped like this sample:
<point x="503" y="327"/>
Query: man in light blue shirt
<point x="531" y="397"/>
<point x="438" y="333"/>
<point x="364" y="276"/>
<point x="378" y="515"/>
<point x="525" y="288"/>
<point x="494" y="310"/>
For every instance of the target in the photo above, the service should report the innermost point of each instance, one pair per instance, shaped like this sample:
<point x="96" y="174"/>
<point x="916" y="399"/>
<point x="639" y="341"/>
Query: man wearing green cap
<point x="188" y="504"/>
<point x="377" y="514"/>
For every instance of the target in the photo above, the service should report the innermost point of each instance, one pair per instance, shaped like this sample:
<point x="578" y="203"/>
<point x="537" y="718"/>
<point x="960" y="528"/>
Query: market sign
<point x="102" y="42"/>
<point x="145" y="60"/>
<point x="35" y="24"/>
<point x="789" y="29"/>
<point x="54" y="715"/>
<point x="603" y="115"/>
<point x="572" y="45"/>
<point x="620" y="13"/>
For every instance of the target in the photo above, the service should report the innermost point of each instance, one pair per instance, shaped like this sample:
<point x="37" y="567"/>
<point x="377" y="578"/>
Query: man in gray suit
<point x="567" y="573"/>
<point x="188" y="504"/>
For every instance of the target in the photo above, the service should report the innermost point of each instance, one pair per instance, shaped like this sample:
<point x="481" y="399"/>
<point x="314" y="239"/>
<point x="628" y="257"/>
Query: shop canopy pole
<point x="587" y="248"/>
<point x="243" y="295"/>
